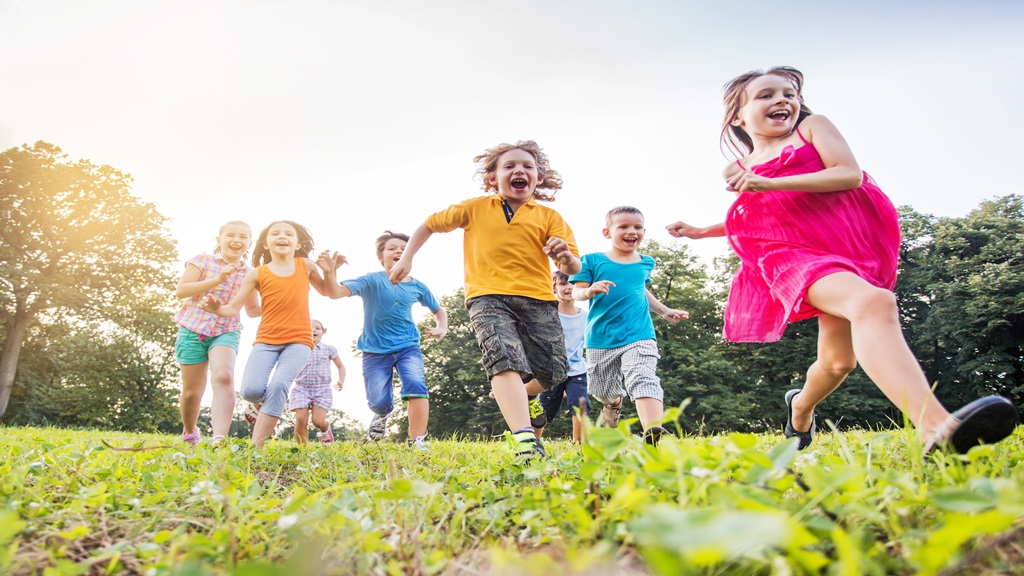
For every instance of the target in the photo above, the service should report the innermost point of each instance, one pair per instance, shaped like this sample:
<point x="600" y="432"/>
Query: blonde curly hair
<point x="487" y="167"/>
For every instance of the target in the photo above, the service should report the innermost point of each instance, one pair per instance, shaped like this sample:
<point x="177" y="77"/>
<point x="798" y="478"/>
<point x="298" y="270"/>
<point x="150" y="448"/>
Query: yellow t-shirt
<point x="505" y="257"/>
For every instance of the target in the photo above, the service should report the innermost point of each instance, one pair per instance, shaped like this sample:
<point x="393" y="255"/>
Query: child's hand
<point x="338" y="385"/>
<point x="400" y="271"/>
<point x="210" y="304"/>
<point x="330" y="261"/>
<point x="675" y="315"/>
<point x="747" y="181"/>
<point x="558" y="250"/>
<point x="437" y="332"/>
<point x="226" y="272"/>
<point x="599" y="287"/>
<point x="683" y="230"/>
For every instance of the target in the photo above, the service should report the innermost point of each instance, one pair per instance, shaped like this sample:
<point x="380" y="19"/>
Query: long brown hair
<point x="734" y="140"/>
<point x="260" y="254"/>
<point x="487" y="167"/>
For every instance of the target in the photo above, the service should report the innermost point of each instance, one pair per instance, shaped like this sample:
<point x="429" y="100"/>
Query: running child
<point x="284" y="338"/>
<point x="622" y="351"/>
<point x="509" y="238"/>
<point x="390" y="341"/>
<point x="311" y="391"/>
<point x="207" y="342"/>
<point x="816" y="237"/>
<point x="574" y="388"/>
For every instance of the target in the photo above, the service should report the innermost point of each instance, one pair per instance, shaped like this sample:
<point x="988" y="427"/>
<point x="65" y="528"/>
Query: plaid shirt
<point x="317" y="371"/>
<point x="194" y="318"/>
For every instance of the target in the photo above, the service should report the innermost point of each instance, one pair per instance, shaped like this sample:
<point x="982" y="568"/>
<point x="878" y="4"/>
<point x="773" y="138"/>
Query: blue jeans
<point x="379" y="377"/>
<point x="269" y="373"/>
<point x="574" y="390"/>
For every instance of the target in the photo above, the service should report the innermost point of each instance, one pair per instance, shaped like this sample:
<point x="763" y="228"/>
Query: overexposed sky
<point x="356" y="117"/>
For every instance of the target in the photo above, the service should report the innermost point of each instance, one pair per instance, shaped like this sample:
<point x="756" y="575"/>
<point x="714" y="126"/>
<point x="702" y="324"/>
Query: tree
<point x="77" y="248"/>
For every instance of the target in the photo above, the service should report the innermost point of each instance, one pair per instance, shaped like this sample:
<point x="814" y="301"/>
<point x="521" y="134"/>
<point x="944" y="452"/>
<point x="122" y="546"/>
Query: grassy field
<point x="88" y="502"/>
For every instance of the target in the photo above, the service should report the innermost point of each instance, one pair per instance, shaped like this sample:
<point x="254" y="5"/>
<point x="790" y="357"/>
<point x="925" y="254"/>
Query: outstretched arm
<point x="329" y="263"/>
<point x="211" y="304"/>
<point x="684" y="230"/>
<point x="586" y="290"/>
<point x="841" y="170"/>
<point x="403" y="267"/>
<point x="670" y="314"/>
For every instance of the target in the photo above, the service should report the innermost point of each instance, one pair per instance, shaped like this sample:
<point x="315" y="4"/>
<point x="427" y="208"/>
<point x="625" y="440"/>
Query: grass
<point x="854" y="503"/>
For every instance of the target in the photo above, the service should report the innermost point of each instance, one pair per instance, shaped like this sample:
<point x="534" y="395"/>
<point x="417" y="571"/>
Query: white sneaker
<point x="378" y="426"/>
<point x="420" y="443"/>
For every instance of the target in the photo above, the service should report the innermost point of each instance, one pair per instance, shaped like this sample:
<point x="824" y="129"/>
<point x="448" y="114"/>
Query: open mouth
<point x="780" y="115"/>
<point x="629" y="240"/>
<point x="519" y="183"/>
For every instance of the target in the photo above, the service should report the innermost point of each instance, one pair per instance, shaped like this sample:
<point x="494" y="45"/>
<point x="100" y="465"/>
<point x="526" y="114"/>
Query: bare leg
<point x="301" y="425"/>
<point x="419" y="414"/>
<point x="510" y="394"/>
<point x="320" y="418"/>
<point x="834" y="363"/>
<point x="193" y="384"/>
<point x="263" y="429"/>
<point x="533" y="387"/>
<point x="577" y="429"/>
<point x="222" y="378"/>
<point x="650" y="411"/>
<point x="879" y="345"/>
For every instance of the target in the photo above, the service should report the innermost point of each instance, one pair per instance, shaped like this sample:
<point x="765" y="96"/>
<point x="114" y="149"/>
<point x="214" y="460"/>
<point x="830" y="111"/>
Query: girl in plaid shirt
<point x="312" y="388"/>
<point x="207" y="342"/>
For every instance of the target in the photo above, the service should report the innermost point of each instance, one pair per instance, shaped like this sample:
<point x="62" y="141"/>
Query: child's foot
<point x="378" y="426"/>
<point x="252" y="411"/>
<point x="610" y="414"/>
<point x="653" y="435"/>
<point x="984" y="421"/>
<point x="537" y="417"/>
<point x="217" y="439"/>
<point x="420" y="443"/>
<point x="193" y="438"/>
<point x="527" y="445"/>
<point x="326" y="436"/>
<point x="804" y="438"/>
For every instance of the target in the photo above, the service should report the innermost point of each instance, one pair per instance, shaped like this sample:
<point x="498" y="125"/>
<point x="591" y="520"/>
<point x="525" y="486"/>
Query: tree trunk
<point x="9" y="356"/>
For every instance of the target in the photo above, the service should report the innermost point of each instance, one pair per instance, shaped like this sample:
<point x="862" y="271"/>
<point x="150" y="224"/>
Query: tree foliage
<point x="86" y="282"/>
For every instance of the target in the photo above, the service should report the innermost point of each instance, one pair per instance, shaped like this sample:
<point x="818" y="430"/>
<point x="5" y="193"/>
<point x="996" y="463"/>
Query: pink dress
<point x="786" y="241"/>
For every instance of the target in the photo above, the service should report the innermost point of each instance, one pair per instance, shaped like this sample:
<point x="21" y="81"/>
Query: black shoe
<point x="805" y="438"/>
<point x="984" y="421"/>
<point x="653" y="435"/>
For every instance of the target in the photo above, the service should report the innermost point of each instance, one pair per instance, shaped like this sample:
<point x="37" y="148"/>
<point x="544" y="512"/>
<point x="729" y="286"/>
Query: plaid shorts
<point x="627" y="369"/>
<point x="521" y="334"/>
<point x="305" y="397"/>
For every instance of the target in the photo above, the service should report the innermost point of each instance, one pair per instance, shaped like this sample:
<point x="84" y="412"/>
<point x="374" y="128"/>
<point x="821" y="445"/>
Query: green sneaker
<point x="527" y="445"/>
<point x="537" y="417"/>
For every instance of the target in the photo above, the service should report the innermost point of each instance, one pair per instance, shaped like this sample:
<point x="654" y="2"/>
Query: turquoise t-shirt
<point x="622" y="316"/>
<point x="387" y="312"/>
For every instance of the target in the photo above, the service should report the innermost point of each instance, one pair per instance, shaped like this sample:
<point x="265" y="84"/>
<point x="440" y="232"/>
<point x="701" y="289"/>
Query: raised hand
<point x="683" y="230"/>
<point x="599" y="287"/>
<point x="558" y="250"/>
<point x="227" y="271"/>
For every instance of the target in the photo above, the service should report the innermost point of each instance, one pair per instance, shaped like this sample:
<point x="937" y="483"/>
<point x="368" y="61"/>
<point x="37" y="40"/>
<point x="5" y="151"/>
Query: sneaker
<point x="327" y="436"/>
<point x="537" y="417"/>
<point x="527" y="445"/>
<point x="610" y="414"/>
<point x="378" y="426"/>
<point x="216" y="439"/>
<point x="252" y="411"/>
<point x="653" y="435"/>
<point x="420" y="443"/>
<point x="193" y="438"/>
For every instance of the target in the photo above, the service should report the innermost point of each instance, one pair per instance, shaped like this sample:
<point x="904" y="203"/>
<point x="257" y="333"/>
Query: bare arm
<point x="190" y="284"/>
<point x="253" y="308"/>
<point x="403" y="267"/>
<point x="440" y="328"/>
<point x="586" y="290"/>
<point x="670" y="314"/>
<point x="341" y="373"/>
<point x="684" y="230"/>
<point x="841" y="169"/>
<point x="559" y="251"/>
<point x="249" y="283"/>
<point x="329" y="263"/>
<point x="315" y="279"/>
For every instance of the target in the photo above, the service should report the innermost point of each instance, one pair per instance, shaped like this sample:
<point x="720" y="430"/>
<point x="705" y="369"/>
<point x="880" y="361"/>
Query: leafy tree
<point x="78" y="249"/>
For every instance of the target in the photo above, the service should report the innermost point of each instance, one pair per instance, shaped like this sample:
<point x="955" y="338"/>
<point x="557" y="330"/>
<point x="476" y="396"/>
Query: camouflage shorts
<point x="521" y="334"/>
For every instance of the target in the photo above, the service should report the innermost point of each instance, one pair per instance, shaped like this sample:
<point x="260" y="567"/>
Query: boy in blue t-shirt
<point x="622" y="352"/>
<point x="390" y="340"/>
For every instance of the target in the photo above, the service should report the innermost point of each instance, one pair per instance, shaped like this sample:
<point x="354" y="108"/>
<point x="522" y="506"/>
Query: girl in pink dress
<point x="816" y="237"/>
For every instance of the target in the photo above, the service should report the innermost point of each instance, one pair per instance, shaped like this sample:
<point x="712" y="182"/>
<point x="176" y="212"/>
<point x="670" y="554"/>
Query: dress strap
<point x="740" y="165"/>
<point x="801" y="136"/>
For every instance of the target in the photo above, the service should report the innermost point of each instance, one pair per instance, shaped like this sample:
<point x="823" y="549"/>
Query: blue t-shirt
<point x="574" y="326"/>
<point x="622" y="316"/>
<point x="387" y="312"/>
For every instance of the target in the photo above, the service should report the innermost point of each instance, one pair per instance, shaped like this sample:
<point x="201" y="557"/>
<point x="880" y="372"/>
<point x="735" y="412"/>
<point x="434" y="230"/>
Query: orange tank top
<point x="285" y="303"/>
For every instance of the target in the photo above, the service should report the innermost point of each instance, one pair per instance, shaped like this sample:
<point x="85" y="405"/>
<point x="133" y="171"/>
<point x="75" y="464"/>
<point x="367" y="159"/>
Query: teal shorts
<point x="192" y="348"/>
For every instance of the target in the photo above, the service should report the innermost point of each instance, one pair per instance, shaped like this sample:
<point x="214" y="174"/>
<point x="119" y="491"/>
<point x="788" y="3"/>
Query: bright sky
<point x="356" y="117"/>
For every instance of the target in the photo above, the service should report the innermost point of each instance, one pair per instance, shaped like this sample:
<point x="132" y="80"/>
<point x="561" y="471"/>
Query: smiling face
<point x="516" y="177"/>
<point x="771" y="107"/>
<point x="233" y="241"/>
<point x="562" y="290"/>
<point x="391" y="252"/>
<point x="282" y="239"/>
<point x="626" y="231"/>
